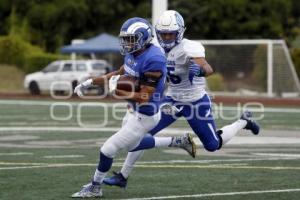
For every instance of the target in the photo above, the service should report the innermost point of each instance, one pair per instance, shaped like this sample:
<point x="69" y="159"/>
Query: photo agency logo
<point x="109" y="112"/>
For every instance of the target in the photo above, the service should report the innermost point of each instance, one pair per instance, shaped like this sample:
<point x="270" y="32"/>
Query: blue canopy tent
<point x="103" y="43"/>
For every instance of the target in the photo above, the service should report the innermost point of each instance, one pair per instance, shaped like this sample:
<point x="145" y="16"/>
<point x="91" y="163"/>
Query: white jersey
<point x="179" y="85"/>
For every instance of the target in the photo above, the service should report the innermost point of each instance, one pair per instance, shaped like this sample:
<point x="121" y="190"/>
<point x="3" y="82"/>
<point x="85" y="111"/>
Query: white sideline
<point x="240" y="139"/>
<point x="218" y="194"/>
<point x="207" y="166"/>
<point x="64" y="156"/>
<point x="222" y="161"/>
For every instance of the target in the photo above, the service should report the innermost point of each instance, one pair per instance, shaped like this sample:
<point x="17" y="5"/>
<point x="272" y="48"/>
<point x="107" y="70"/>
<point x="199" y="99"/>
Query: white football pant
<point x="134" y="127"/>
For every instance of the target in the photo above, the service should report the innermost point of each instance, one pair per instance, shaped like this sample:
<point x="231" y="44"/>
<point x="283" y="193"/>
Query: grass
<point x="11" y="79"/>
<point x="148" y="180"/>
<point x="38" y="113"/>
<point x="33" y="166"/>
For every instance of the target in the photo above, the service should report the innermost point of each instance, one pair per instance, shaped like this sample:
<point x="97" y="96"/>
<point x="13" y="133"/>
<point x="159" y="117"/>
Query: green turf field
<point x="42" y="157"/>
<point x="18" y="113"/>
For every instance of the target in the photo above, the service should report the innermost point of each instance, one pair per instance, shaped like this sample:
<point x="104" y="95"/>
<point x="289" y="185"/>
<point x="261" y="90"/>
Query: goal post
<point x="254" y="67"/>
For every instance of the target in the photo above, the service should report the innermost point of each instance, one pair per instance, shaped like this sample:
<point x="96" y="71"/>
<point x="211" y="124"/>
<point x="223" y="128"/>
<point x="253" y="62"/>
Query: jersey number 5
<point x="172" y="77"/>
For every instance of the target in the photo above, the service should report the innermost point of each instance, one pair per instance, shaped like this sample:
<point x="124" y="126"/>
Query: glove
<point x="112" y="84"/>
<point x="82" y="86"/>
<point x="195" y="70"/>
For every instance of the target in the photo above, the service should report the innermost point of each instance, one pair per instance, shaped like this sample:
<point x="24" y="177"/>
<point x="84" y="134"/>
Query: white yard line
<point x="139" y="165"/>
<point x="239" y="140"/>
<point x="79" y="129"/>
<point x="49" y="103"/>
<point x="218" y="194"/>
<point x="16" y="154"/>
<point x="218" y="166"/>
<point x="278" y="154"/>
<point x="64" y="156"/>
<point x="228" y="108"/>
<point x="46" y="166"/>
<point x="223" y="161"/>
<point x="217" y="160"/>
<point x="53" y="128"/>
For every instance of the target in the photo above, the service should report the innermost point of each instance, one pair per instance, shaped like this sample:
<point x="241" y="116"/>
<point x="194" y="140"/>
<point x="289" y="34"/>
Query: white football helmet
<point x="170" y="22"/>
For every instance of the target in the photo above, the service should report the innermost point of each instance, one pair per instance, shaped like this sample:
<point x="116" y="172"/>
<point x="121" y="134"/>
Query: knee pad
<point x="109" y="150"/>
<point x="213" y="145"/>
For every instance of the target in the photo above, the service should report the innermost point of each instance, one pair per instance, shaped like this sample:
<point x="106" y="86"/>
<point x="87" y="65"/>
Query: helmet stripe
<point x="133" y="27"/>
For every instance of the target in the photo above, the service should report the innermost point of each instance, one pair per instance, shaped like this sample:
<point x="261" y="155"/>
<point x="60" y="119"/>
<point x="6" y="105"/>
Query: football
<point x="128" y="83"/>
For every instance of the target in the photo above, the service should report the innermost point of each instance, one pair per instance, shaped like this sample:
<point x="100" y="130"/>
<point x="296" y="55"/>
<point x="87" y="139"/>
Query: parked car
<point x="63" y="74"/>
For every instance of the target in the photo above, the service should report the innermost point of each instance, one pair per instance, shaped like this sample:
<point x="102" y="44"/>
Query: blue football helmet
<point x="135" y="34"/>
<point x="170" y="22"/>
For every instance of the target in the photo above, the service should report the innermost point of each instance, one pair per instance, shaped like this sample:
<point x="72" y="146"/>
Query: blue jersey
<point x="151" y="60"/>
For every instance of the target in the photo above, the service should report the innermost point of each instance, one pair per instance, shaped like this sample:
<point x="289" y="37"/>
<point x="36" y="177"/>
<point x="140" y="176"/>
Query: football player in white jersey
<point x="186" y="95"/>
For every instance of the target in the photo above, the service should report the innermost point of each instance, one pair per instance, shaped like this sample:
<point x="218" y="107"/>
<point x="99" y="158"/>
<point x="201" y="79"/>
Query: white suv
<point x="63" y="74"/>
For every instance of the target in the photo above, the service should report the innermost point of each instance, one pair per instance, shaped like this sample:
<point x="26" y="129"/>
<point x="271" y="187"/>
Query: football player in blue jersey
<point x="185" y="96"/>
<point x="146" y="63"/>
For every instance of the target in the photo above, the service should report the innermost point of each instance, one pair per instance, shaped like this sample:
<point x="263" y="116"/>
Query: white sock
<point x="231" y="130"/>
<point x="162" y="141"/>
<point x="99" y="176"/>
<point x="131" y="159"/>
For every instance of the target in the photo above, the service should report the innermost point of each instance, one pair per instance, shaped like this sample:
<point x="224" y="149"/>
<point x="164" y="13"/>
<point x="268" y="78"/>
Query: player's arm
<point x="147" y="88"/>
<point x="198" y="64"/>
<point x="101" y="80"/>
<point x="203" y="65"/>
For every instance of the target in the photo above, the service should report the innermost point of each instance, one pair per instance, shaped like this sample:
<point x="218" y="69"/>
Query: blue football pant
<point x="198" y="115"/>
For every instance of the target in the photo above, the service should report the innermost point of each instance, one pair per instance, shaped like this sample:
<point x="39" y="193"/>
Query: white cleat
<point x="185" y="142"/>
<point x="89" y="191"/>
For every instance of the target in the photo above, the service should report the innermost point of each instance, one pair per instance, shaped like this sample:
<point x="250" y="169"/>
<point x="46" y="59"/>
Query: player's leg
<point x="120" y="178"/>
<point x="166" y="120"/>
<point x="204" y="126"/>
<point x="185" y="142"/>
<point x="127" y="138"/>
<point x="148" y="141"/>
<point x="200" y="119"/>
<point x="245" y="122"/>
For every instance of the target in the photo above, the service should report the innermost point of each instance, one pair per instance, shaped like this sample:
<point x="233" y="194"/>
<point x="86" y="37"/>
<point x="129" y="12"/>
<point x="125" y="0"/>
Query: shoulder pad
<point x="193" y="49"/>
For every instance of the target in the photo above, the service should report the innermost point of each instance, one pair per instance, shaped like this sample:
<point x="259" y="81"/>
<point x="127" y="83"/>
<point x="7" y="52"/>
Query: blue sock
<point x="105" y="163"/>
<point x="147" y="142"/>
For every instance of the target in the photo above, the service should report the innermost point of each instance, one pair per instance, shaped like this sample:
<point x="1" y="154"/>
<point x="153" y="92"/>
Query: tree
<point x="235" y="19"/>
<point x="53" y="23"/>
